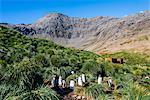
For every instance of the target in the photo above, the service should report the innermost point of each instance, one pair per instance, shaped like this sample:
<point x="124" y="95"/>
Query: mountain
<point x="99" y="34"/>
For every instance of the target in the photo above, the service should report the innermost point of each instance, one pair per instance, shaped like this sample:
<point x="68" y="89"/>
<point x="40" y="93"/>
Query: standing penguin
<point x="72" y="84"/>
<point x="83" y="78"/>
<point x="99" y="79"/>
<point x="53" y="82"/>
<point x="80" y="81"/>
<point x="72" y="72"/>
<point x="56" y="81"/>
<point x="60" y="81"/>
<point x="63" y="84"/>
<point x="110" y="82"/>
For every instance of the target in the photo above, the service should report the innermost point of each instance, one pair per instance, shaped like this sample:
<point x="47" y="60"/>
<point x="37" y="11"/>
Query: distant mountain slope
<point x="99" y="34"/>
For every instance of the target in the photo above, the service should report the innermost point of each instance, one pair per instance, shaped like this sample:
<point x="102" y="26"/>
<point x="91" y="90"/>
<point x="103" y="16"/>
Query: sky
<point x="29" y="11"/>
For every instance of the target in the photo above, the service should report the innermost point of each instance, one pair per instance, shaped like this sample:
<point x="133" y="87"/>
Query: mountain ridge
<point x="98" y="34"/>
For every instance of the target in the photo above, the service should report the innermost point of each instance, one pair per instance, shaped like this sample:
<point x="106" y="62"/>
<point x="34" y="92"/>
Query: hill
<point x="25" y="64"/>
<point x="99" y="34"/>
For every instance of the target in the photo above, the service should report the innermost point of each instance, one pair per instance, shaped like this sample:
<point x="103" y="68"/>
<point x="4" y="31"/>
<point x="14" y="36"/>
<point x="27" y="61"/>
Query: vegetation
<point x="142" y="38"/>
<point x="26" y="62"/>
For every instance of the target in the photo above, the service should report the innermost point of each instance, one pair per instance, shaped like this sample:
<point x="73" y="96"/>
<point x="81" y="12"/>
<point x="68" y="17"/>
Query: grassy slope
<point x="24" y="59"/>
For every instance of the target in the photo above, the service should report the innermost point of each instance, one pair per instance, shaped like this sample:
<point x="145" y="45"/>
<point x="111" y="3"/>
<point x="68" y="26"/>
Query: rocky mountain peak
<point x="52" y="16"/>
<point x="55" y="15"/>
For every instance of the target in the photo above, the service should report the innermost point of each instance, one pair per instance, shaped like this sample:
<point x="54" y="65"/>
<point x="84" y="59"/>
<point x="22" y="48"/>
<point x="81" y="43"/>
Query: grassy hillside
<point x="25" y="63"/>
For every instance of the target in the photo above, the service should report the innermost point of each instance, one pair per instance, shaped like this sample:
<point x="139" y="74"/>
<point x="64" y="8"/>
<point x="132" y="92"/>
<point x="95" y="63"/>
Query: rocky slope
<point x="99" y="34"/>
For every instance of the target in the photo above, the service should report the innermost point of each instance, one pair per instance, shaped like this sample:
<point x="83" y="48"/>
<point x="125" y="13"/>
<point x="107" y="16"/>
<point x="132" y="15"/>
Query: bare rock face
<point x="99" y="34"/>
